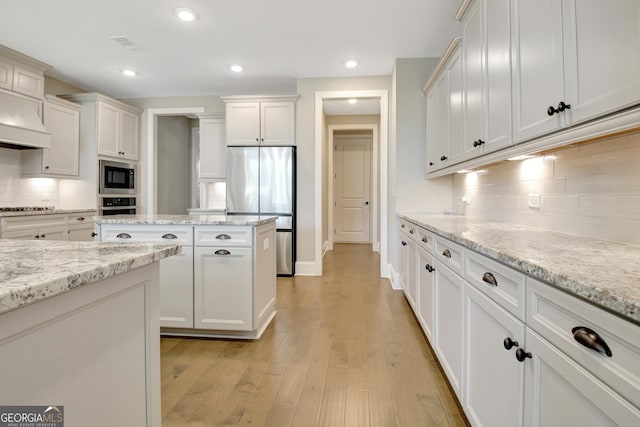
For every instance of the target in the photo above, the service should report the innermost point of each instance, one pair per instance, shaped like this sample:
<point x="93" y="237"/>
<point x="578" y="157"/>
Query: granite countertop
<point x="603" y="272"/>
<point x="222" y="219"/>
<point x="46" y="212"/>
<point x="34" y="270"/>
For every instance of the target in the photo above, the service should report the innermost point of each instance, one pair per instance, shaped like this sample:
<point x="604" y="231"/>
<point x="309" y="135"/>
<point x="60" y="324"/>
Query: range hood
<point x="20" y="126"/>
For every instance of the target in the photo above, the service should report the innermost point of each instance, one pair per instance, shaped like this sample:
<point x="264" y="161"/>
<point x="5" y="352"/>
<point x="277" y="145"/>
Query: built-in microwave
<point x="117" y="177"/>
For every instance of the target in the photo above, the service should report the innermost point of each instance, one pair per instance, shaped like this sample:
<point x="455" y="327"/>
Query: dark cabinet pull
<point x="404" y="243"/>
<point x="429" y="268"/>
<point x="123" y="236"/>
<point x="43" y="236"/>
<point x="94" y="234"/>
<point x="446" y="253"/>
<point x="46" y="168"/>
<point x="411" y="231"/>
<point x="490" y="279"/>
<point x="222" y="252"/>
<point x="521" y="355"/>
<point x="561" y="107"/>
<point x="257" y="140"/>
<point x="443" y="158"/>
<point x="169" y="236"/>
<point x="223" y="237"/>
<point x="509" y="343"/>
<point x="425" y="240"/>
<point x="431" y="163"/>
<point x="590" y="339"/>
<point x="478" y="143"/>
<point x="80" y="218"/>
<point x="37" y="236"/>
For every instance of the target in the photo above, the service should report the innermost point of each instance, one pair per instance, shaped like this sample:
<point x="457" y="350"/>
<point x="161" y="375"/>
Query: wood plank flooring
<point x="343" y="350"/>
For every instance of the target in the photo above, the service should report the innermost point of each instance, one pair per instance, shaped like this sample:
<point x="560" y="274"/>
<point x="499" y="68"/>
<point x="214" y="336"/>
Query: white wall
<point x="18" y="191"/>
<point x="409" y="190"/>
<point x="591" y="190"/>
<point x="174" y="165"/>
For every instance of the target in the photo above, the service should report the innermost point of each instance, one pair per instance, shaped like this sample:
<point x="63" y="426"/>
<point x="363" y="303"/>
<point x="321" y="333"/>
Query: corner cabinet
<point x="62" y="120"/>
<point x="268" y="120"/>
<point x="444" y="110"/>
<point x="115" y="126"/>
<point x="213" y="154"/>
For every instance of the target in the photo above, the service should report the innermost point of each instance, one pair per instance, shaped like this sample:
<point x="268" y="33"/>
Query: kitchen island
<point x="223" y="285"/>
<point x="79" y="329"/>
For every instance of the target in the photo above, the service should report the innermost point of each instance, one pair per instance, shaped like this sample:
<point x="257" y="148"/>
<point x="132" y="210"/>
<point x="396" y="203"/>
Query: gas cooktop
<point x="27" y="208"/>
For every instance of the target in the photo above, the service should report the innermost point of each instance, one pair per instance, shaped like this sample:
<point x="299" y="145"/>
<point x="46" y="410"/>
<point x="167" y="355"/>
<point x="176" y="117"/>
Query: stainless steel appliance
<point x="261" y="181"/>
<point x="118" y="206"/>
<point x="117" y="177"/>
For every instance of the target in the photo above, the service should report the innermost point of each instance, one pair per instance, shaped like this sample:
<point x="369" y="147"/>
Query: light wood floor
<point x="343" y="350"/>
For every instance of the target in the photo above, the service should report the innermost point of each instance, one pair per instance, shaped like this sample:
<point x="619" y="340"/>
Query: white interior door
<point x="352" y="188"/>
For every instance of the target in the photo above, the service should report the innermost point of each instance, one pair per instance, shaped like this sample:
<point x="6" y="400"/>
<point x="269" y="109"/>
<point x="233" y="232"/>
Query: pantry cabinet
<point x="62" y="120"/>
<point x="260" y="121"/>
<point x="573" y="61"/>
<point x="213" y="155"/>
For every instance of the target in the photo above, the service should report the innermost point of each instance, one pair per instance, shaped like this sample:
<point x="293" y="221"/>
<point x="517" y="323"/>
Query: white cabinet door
<point x="412" y="284"/>
<point x="602" y="56"/>
<point x="472" y="47"/>
<point x="426" y="292"/>
<point x="404" y="261"/>
<point x="538" y="78"/>
<point x="108" y="130"/>
<point x="277" y="123"/>
<point x="128" y="135"/>
<point x="81" y="233"/>
<point x="213" y="155"/>
<point x="243" y="123"/>
<point x="560" y="393"/>
<point x="432" y="133"/>
<point x="27" y="234"/>
<point x="53" y="233"/>
<point x="64" y="125"/>
<point x="448" y="324"/>
<point x="493" y="379"/>
<point x="6" y="74"/>
<point x="28" y="82"/>
<point x="223" y="288"/>
<point x="449" y="117"/>
<point x="176" y="290"/>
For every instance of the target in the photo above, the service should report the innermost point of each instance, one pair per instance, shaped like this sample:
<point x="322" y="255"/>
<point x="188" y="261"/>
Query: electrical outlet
<point x="535" y="201"/>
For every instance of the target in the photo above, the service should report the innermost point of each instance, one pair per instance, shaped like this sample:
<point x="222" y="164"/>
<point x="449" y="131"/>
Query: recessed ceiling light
<point x="352" y="101"/>
<point x="236" y="68"/>
<point x="129" y="72"/>
<point x="186" y="15"/>
<point x="351" y="64"/>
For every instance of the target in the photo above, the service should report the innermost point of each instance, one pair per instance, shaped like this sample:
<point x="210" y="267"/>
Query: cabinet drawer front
<point x="82" y="218"/>
<point x="425" y="240"/>
<point x="554" y="315"/>
<point x="409" y="229"/>
<point x="32" y="221"/>
<point x="449" y="253"/>
<point x="500" y="283"/>
<point x="147" y="233"/>
<point x="223" y="236"/>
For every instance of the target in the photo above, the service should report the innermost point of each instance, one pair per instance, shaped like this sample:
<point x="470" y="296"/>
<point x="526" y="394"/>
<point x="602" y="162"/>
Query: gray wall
<point x="174" y="165"/>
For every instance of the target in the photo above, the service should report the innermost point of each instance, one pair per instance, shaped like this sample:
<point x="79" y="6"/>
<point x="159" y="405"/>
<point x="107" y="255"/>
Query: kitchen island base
<point x="94" y="350"/>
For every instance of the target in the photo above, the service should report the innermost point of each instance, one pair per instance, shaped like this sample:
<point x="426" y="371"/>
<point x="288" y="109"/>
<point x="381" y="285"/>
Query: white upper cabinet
<point x="213" y="156"/>
<point x="62" y="120"/>
<point x="444" y="110"/>
<point x="21" y="73"/>
<point x="129" y="134"/>
<point x="260" y="120"/>
<point x="573" y="61"/>
<point x="487" y="77"/>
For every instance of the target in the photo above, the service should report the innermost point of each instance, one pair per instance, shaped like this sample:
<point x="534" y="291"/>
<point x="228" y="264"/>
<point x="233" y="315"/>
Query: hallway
<point x="343" y="350"/>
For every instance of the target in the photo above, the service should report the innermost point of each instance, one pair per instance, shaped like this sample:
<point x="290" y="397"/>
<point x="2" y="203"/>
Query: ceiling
<point x="276" y="41"/>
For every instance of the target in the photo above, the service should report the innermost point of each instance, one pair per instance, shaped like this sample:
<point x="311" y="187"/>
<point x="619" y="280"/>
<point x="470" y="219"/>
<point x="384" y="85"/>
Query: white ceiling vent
<point x="125" y="42"/>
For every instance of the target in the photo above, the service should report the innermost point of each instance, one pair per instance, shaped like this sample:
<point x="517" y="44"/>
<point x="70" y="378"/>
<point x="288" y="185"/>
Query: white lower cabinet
<point x="493" y="378"/>
<point x="176" y="290"/>
<point x="447" y="342"/>
<point x="426" y="292"/>
<point x="72" y="227"/>
<point x="408" y="269"/>
<point x="223" y="288"/>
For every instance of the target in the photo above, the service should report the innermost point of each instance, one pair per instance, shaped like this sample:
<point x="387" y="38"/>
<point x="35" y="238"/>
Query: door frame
<point x="373" y="211"/>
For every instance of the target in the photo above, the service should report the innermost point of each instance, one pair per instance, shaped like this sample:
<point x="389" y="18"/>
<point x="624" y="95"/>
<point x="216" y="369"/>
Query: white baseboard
<point x="375" y="247"/>
<point x="394" y="278"/>
<point x="308" y="268"/>
<point x="325" y="248"/>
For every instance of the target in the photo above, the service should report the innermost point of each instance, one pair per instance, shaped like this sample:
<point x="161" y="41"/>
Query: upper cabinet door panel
<point x="473" y="81"/>
<point x="277" y="125"/>
<point x="537" y="67"/>
<point x="6" y="74"/>
<point x="28" y="82"/>
<point x="243" y="123"/>
<point x="455" y="109"/>
<point x="107" y="130"/>
<point x="603" y="56"/>
<point x="129" y="135"/>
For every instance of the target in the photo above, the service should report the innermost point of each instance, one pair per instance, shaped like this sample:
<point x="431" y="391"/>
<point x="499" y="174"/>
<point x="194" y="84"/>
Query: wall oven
<point x="117" y="177"/>
<point x="118" y="206"/>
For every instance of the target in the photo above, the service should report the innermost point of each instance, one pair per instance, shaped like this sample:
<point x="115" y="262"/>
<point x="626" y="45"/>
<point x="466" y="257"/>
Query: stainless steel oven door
<point x="118" y="210"/>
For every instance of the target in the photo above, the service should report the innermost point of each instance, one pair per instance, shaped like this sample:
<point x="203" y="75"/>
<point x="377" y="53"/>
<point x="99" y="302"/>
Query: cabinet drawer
<point x="500" y="283"/>
<point x="32" y="221"/>
<point x="223" y="236"/>
<point x="449" y="253"/>
<point x="147" y="233"/>
<point x="82" y="218"/>
<point x="425" y="240"/>
<point x="409" y="229"/>
<point x="554" y="315"/>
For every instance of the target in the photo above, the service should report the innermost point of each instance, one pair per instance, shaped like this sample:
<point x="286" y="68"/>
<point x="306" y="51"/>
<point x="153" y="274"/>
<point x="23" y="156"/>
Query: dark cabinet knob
<point x="43" y="236"/>
<point x="46" y="168"/>
<point x="404" y="243"/>
<point x="590" y="339"/>
<point x="490" y="279"/>
<point x="37" y="236"/>
<point x="561" y="107"/>
<point x="257" y="140"/>
<point x="94" y="234"/>
<point x="478" y="143"/>
<point x="509" y="343"/>
<point x="551" y="111"/>
<point x="443" y="158"/>
<point x="411" y="231"/>
<point x="429" y="268"/>
<point x="425" y="240"/>
<point x="521" y="355"/>
<point x="431" y="163"/>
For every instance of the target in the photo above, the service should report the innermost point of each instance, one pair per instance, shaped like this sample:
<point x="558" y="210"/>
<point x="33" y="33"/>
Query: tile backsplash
<point x="591" y="189"/>
<point x="18" y="191"/>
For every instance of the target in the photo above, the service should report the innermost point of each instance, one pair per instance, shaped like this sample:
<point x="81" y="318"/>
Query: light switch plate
<point x="535" y="201"/>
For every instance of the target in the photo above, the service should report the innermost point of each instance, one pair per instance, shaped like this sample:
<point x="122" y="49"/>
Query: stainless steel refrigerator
<point x="261" y="181"/>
